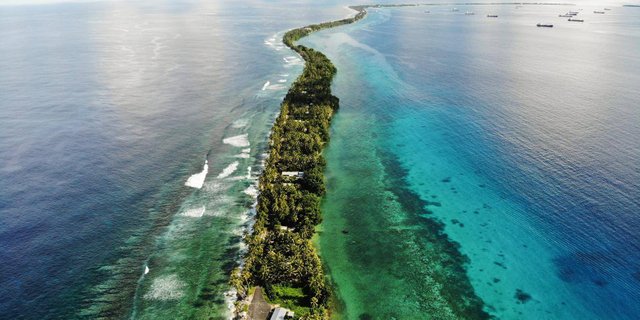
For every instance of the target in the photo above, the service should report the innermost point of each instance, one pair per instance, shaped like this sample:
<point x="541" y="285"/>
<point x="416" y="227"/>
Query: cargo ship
<point x="544" y="25"/>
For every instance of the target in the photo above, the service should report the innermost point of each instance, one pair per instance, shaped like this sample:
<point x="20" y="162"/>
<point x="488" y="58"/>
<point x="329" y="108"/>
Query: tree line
<point x="280" y="252"/>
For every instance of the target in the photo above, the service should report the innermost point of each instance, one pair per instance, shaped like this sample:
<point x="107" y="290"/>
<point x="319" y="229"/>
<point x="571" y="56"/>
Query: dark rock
<point x="522" y="296"/>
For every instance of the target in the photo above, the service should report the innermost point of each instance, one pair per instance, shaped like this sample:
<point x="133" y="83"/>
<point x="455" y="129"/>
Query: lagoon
<point x="520" y="142"/>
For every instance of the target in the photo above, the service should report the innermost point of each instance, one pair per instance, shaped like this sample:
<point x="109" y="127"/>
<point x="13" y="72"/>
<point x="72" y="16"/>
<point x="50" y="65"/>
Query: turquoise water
<point x="513" y="146"/>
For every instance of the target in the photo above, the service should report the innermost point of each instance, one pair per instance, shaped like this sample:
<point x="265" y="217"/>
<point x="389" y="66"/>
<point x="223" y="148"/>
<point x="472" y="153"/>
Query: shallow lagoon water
<point x="521" y="141"/>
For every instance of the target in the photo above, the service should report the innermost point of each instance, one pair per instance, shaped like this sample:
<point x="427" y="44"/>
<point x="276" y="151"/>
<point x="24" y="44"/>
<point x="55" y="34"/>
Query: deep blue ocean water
<point x="106" y="109"/>
<point x="523" y="141"/>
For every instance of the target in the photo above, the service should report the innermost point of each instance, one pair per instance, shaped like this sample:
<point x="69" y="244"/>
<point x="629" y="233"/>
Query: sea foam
<point x="246" y="153"/>
<point x="277" y="87"/>
<point x="166" y="288"/>
<point x="194" y="213"/>
<point x="274" y="43"/>
<point x="251" y="191"/>
<point x="238" y="141"/>
<point x="240" y="123"/>
<point x="292" y="61"/>
<point x="197" y="180"/>
<point x="228" y="170"/>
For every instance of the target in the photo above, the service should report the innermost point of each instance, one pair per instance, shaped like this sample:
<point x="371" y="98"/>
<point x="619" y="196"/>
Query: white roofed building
<point x="281" y="314"/>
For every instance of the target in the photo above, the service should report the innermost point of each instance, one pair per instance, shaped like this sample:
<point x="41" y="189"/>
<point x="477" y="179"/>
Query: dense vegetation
<point x="281" y="257"/>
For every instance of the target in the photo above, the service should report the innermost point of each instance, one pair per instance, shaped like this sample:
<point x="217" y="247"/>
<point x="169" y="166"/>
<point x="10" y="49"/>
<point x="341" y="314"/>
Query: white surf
<point x="197" y="180"/>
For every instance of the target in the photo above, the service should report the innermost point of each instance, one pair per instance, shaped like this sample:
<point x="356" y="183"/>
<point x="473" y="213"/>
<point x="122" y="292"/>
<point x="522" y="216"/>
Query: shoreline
<point x="281" y="257"/>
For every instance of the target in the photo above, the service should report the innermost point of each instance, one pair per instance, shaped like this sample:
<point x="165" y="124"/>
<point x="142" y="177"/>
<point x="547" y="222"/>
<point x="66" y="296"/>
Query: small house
<point x="293" y="174"/>
<point x="281" y="314"/>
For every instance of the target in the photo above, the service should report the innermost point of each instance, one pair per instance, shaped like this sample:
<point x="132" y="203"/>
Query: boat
<point x="427" y="11"/>
<point x="599" y="12"/>
<point x="575" y="20"/>
<point x="573" y="12"/>
<point x="606" y="9"/>
<point x="566" y="15"/>
<point x="454" y="10"/>
<point x="492" y="16"/>
<point x="469" y="13"/>
<point x="544" y="25"/>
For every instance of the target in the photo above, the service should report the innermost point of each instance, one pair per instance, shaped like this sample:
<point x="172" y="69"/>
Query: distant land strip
<point x="464" y="4"/>
<point x="281" y="258"/>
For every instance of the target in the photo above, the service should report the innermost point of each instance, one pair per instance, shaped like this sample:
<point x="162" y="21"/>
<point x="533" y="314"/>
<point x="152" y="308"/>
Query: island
<point x="281" y="264"/>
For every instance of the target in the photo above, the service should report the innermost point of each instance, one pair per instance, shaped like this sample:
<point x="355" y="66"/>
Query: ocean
<point x="131" y="138"/>
<point x="474" y="161"/>
<point x="484" y="158"/>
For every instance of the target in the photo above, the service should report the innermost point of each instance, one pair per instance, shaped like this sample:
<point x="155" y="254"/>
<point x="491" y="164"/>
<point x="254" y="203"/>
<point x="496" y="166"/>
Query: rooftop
<point x="281" y="314"/>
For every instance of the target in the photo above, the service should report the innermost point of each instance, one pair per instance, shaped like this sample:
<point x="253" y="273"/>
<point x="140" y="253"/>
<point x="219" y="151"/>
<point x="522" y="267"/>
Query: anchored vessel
<point x="492" y="16"/>
<point x="575" y="20"/>
<point x="544" y="25"/>
<point x="569" y="14"/>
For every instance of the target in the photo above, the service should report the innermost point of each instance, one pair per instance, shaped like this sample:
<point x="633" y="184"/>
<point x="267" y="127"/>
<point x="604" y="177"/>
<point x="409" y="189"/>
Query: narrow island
<point x="281" y="267"/>
<point x="281" y="263"/>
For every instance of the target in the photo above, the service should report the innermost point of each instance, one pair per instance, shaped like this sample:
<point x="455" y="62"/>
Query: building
<point x="293" y="174"/>
<point x="281" y="314"/>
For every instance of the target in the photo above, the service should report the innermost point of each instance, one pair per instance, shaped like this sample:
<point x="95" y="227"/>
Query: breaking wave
<point x="197" y="180"/>
<point x="166" y="288"/>
<point x="228" y="170"/>
<point x="194" y="213"/>
<point x="238" y="141"/>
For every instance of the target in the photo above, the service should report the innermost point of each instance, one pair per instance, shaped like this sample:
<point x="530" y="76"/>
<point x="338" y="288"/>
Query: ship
<point x="599" y="12"/>
<point x="492" y="16"/>
<point x="566" y="15"/>
<point x="575" y="20"/>
<point x="469" y="13"/>
<point x="544" y="25"/>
